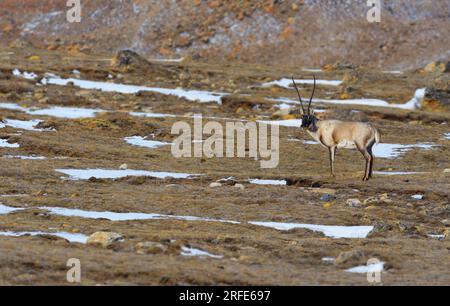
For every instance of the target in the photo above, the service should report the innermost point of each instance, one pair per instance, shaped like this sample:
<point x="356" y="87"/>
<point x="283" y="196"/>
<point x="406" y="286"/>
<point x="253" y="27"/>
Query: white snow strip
<point x="142" y="142"/>
<point x="66" y="112"/>
<point x="436" y="236"/>
<point x="4" y="210"/>
<point x="191" y="252"/>
<point x="395" y="173"/>
<point x="393" y="150"/>
<point x="26" y="75"/>
<point x="393" y="72"/>
<point x="55" y="111"/>
<point x="151" y="115"/>
<point x="447" y="136"/>
<point x="130" y="216"/>
<point x="5" y="144"/>
<point x="85" y="174"/>
<point x="413" y="104"/>
<point x="328" y="259"/>
<point x="23" y="125"/>
<point x="327" y="230"/>
<point x="71" y="237"/>
<point x="191" y="95"/>
<point x="287" y="83"/>
<point x="24" y="157"/>
<point x="287" y="123"/>
<point x="268" y="182"/>
<point x="418" y="197"/>
<point x="372" y="268"/>
<point x="312" y="69"/>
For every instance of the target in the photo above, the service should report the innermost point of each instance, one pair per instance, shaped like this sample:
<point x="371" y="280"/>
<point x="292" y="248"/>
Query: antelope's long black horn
<point x="312" y="96"/>
<point x="298" y="93"/>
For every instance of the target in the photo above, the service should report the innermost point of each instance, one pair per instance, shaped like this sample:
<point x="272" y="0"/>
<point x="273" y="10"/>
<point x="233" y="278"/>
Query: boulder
<point x="104" y="239"/>
<point x="129" y="60"/>
<point x="437" y="100"/>
<point x="437" y="67"/>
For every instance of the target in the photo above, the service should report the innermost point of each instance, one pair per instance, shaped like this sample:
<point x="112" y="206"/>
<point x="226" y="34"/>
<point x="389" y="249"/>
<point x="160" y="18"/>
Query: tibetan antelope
<point x="334" y="134"/>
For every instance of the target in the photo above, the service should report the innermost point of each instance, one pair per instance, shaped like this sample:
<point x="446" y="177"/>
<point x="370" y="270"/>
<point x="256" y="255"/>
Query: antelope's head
<point x="308" y="118"/>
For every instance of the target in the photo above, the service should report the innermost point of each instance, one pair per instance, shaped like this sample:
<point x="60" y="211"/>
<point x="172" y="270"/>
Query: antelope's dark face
<point x="308" y="121"/>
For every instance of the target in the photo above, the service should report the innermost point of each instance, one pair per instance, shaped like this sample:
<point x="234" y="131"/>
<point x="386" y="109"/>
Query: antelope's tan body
<point x="342" y="134"/>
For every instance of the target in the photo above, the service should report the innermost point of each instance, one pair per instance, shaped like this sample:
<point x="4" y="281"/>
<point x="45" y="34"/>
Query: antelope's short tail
<point x="377" y="136"/>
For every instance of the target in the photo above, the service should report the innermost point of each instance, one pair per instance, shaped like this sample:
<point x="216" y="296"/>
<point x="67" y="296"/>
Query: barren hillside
<point x="305" y="33"/>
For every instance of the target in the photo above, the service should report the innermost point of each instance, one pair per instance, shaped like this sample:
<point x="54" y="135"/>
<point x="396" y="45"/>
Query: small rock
<point x="149" y="247"/>
<point x="240" y="186"/>
<point x="215" y="185"/>
<point x="407" y="227"/>
<point x="447" y="170"/>
<point x="327" y="197"/>
<point x="380" y="227"/>
<point x="376" y="199"/>
<point x="354" y="203"/>
<point x="446" y="222"/>
<point x="104" y="239"/>
<point x="123" y="167"/>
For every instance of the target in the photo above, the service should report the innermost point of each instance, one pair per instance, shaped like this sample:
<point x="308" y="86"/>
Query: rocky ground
<point x="409" y="212"/>
<point x="307" y="33"/>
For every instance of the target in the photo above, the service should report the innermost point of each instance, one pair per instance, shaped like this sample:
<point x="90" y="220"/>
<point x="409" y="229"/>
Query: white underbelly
<point x="346" y="144"/>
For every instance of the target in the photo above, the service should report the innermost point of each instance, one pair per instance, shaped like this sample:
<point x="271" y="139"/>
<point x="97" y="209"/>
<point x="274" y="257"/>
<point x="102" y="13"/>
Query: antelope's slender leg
<point x="332" y="151"/>
<point x="369" y="150"/>
<point x="367" y="156"/>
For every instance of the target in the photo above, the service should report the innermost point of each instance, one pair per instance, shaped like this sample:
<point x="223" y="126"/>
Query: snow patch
<point x="86" y="174"/>
<point x="327" y="230"/>
<point x="287" y="83"/>
<point x="5" y="144"/>
<point x="268" y="182"/>
<point x="190" y="252"/>
<point x="71" y="237"/>
<point x="142" y="142"/>
<point x="372" y="268"/>
<point x="191" y="95"/>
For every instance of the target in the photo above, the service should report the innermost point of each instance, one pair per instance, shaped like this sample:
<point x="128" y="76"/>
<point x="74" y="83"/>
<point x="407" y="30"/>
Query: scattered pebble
<point x="240" y="186"/>
<point x="215" y="185"/>
<point x="123" y="167"/>
<point x="327" y="197"/>
<point x="354" y="203"/>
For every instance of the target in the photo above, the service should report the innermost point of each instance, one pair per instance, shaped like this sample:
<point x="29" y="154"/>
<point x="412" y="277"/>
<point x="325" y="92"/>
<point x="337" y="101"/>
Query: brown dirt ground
<point x="252" y="255"/>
